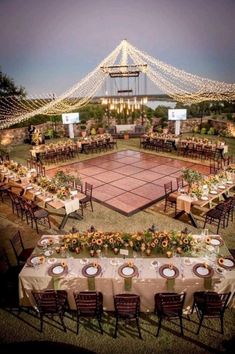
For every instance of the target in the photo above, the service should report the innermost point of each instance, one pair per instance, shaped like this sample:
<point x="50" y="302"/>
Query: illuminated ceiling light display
<point x="177" y="84"/>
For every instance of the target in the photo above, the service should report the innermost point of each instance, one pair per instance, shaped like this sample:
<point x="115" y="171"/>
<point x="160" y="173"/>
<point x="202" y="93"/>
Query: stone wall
<point x="188" y="125"/>
<point x="18" y="135"/>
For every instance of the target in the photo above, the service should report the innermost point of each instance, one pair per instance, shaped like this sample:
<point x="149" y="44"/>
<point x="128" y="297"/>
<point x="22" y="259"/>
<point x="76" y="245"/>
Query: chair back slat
<point x="17" y="244"/>
<point x="89" y="302"/>
<point x="127" y="304"/>
<point x="169" y="303"/>
<point x="50" y="301"/>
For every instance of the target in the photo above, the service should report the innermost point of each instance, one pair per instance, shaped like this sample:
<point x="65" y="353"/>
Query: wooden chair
<point x="51" y="302"/>
<point x="88" y="197"/>
<point x="15" y="203"/>
<point x="168" y="306"/>
<point x="127" y="306"/>
<point x="36" y="215"/>
<point x="21" y="253"/>
<point x="210" y="305"/>
<point x="89" y="304"/>
<point x="9" y="281"/>
<point x="170" y="198"/>
<point x="219" y="216"/>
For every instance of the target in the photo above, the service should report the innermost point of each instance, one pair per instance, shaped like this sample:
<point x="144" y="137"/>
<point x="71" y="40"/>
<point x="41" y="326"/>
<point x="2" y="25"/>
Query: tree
<point x="8" y="87"/>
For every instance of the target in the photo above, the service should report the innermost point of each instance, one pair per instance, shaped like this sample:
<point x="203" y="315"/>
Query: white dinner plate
<point x="228" y="263"/>
<point x="215" y="242"/>
<point x="48" y="199"/>
<point x="91" y="270"/>
<point x="58" y="269"/>
<point x="204" y="198"/>
<point x="127" y="271"/>
<point x="35" y="260"/>
<point x="168" y="272"/>
<point x="203" y="271"/>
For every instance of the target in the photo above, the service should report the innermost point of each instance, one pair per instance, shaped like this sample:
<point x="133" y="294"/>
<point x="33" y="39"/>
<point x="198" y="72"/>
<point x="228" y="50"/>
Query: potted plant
<point x="83" y="130"/>
<point x="126" y="135"/>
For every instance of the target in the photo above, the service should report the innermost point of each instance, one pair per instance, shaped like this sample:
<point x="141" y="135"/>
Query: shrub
<point x="229" y="116"/>
<point x="93" y="131"/>
<point x="159" y="130"/>
<point x="211" y="131"/>
<point x="196" y="130"/>
<point x="203" y="131"/>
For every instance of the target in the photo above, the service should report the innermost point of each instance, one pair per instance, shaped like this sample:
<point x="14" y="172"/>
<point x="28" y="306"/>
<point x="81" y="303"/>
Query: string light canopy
<point x="125" y="58"/>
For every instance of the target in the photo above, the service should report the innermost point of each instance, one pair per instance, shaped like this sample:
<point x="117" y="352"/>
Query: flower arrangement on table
<point x="43" y="182"/>
<point x="63" y="193"/>
<point x="62" y="179"/>
<point x="51" y="187"/>
<point x="13" y="166"/>
<point x="191" y="176"/>
<point x="22" y="171"/>
<point x="196" y="190"/>
<point x="74" y="242"/>
<point x="160" y="241"/>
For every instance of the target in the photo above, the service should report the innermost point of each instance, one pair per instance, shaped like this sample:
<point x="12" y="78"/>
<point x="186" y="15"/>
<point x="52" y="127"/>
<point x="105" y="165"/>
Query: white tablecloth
<point x="110" y="283"/>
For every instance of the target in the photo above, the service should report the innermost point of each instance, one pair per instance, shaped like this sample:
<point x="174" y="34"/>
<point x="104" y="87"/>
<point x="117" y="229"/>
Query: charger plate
<point x="202" y="271"/>
<point x="90" y="271"/>
<point x="127" y="271"/>
<point x="169" y="272"/>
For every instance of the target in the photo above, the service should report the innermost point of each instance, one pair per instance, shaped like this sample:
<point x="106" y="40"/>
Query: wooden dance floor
<point x="128" y="181"/>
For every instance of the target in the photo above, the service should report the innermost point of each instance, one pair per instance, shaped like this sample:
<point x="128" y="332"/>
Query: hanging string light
<point x="178" y="84"/>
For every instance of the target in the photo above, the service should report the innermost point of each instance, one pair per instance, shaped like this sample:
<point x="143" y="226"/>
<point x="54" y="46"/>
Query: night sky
<point x="48" y="45"/>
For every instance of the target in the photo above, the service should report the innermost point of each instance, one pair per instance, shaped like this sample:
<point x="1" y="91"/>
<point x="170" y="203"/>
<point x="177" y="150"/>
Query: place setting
<point x="45" y="241"/>
<point x="215" y="240"/>
<point x="227" y="263"/>
<point x="35" y="260"/>
<point x="127" y="271"/>
<point x="91" y="271"/>
<point x="204" y="271"/>
<point x="58" y="269"/>
<point x="170" y="272"/>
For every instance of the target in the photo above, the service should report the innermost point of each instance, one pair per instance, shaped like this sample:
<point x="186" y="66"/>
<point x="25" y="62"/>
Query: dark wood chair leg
<point x="116" y="328"/>
<point x="159" y="326"/>
<point x="138" y="326"/>
<point x="101" y="329"/>
<point x="200" y="324"/>
<point x="222" y="323"/>
<point x="181" y="326"/>
<point x="77" y="324"/>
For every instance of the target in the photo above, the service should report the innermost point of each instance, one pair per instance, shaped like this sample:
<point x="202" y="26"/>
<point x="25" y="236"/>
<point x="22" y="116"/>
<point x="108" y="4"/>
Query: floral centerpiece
<point x="196" y="190"/>
<point x="43" y="182"/>
<point x="73" y="242"/>
<point x="13" y="166"/>
<point x="191" y="176"/>
<point x="162" y="242"/>
<point x="22" y="171"/>
<point x="63" y="193"/>
<point x="62" y="179"/>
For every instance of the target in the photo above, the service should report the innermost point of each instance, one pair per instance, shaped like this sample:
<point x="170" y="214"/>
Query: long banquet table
<point x="146" y="283"/>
